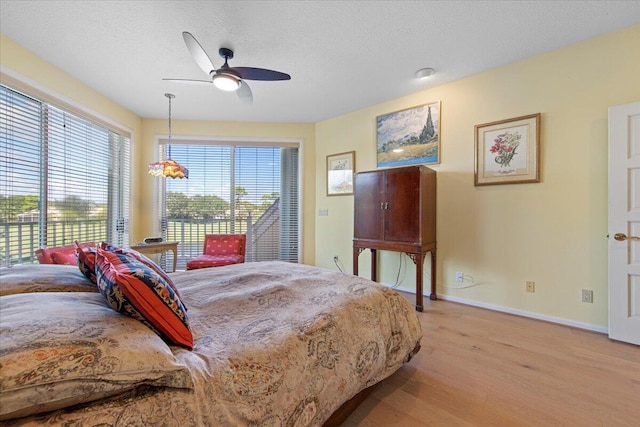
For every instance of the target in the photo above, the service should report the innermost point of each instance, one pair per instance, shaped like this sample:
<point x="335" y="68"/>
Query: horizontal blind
<point x="20" y="175"/>
<point x="119" y="180"/>
<point x="289" y="206"/>
<point x="234" y="189"/>
<point x="63" y="178"/>
<point x="78" y="168"/>
<point x="258" y="191"/>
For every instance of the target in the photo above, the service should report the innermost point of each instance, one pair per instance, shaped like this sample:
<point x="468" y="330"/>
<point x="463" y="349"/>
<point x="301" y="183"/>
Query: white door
<point x="624" y="223"/>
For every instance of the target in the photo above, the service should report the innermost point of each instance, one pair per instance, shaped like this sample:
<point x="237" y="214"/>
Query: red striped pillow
<point x="143" y="259"/>
<point x="86" y="260"/>
<point x="132" y="288"/>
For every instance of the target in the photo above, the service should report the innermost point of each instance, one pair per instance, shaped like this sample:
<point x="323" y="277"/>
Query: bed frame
<point x="347" y="408"/>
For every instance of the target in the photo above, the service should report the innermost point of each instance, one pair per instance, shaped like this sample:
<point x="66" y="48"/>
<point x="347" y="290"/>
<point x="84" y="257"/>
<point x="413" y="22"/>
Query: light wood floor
<point x="483" y="368"/>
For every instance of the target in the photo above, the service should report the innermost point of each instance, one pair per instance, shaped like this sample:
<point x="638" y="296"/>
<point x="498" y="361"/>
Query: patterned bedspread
<point x="276" y="344"/>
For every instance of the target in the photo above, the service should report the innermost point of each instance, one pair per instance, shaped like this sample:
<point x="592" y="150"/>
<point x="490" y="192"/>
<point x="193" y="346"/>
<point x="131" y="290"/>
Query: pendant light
<point x="168" y="168"/>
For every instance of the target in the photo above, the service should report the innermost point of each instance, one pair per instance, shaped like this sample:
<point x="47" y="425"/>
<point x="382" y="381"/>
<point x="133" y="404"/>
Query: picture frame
<point x="340" y="170"/>
<point x="409" y="137"/>
<point x="508" y="151"/>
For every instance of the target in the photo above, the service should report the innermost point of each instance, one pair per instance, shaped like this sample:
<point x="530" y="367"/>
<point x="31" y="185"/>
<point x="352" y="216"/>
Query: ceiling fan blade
<point x="250" y="73"/>
<point x="189" y="81"/>
<point x="198" y="53"/>
<point x="244" y="93"/>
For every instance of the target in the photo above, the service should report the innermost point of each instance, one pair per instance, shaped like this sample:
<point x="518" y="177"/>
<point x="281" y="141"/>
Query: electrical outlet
<point x="587" y="295"/>
<point x="531" y="287"/>
<point x="335" y="258"/>
<point x="459" y="277"/>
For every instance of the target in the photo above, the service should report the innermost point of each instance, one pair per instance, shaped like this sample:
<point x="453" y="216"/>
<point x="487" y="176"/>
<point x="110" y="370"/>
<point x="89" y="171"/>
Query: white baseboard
<point x="523" y="313"/>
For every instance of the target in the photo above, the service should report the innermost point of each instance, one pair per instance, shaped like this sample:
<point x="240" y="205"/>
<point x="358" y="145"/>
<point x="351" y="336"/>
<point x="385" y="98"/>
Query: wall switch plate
<point x="323" y="212"/>
<point x="587" y="295"/>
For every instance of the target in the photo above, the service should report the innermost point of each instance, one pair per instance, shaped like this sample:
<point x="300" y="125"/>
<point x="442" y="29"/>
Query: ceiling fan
<point x="227" y="78"/>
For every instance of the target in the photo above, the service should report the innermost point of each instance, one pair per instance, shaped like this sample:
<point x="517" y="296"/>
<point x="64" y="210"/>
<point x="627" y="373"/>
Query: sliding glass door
<point x="233" y="189"/>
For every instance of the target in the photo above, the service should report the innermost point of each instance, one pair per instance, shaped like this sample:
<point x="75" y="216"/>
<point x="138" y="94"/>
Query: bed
<point x="274" y="344"/>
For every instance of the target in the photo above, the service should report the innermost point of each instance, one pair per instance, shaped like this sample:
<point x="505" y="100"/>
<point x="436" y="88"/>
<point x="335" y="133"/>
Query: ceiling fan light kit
<point x="225" y="81"/>
<point x="227" y="78"/>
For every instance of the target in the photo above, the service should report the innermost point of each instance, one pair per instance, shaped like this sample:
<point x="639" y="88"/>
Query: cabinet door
<point x="402" y="216"/>
<point x="368" y="201"/>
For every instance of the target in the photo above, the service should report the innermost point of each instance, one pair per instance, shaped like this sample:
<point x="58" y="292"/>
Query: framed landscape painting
<point x="409" y="137"/>
<point x="508" y="151"/>
<point x="340" y="170"/>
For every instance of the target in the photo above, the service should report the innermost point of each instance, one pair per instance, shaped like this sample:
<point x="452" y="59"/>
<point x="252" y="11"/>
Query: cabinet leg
<point x="419" y="259"/>
<point x="433" y="295"/>
<point x="374" y="265"/>
<point x="356" y="252"/>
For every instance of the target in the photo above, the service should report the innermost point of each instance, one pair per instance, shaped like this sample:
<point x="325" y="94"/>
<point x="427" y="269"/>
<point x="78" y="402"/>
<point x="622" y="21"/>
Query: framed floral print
<point x="340" y="170"/>
<point x="508" y="151"/>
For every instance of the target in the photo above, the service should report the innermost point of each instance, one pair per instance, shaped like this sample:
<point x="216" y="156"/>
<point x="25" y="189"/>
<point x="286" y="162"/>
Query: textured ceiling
<point x="342" y="55"/>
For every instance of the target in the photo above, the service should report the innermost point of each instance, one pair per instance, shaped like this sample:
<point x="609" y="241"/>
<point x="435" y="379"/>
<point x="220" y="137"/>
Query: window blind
<point x="62" y="178"/>
<point x="233" y="189"/>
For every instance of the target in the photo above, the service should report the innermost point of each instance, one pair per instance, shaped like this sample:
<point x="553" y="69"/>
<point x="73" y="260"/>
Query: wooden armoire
<point x="395" y="210"/>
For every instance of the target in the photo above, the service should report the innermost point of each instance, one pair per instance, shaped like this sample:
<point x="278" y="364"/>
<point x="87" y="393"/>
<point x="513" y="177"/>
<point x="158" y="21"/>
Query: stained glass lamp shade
<point x="168" y="168"/>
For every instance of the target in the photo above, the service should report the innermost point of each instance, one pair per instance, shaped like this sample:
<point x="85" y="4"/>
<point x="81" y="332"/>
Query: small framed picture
<point x="508" y="151"/>
<point x="340" y="170"/>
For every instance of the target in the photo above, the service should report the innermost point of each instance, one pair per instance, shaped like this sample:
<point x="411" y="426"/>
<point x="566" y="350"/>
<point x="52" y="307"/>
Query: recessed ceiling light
<point x="423" y="73"/>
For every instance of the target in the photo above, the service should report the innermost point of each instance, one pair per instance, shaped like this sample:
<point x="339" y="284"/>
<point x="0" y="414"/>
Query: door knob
<point x="622" y="237"/>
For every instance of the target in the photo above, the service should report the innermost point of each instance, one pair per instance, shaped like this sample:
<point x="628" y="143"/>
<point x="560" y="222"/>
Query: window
<point x="62" y="178"/>
<point x="233" y="189"/>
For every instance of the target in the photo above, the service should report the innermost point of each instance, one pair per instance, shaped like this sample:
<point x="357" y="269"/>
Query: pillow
<point x="86" y="260"/>
<point x="132" y="288"/>
<point x="71" y="348"/>
<point x="143" y="259"/>
<point x="28" y="278"/>
<point x="64" y="258"/>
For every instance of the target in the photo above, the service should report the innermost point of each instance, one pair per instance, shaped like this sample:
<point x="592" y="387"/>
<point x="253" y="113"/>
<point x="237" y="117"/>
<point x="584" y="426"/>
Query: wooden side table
<point x="157" y="248"/>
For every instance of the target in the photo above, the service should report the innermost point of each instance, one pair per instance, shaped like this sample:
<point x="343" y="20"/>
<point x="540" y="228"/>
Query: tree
<point x="178" y="205"/>
<point x="267" y="200"/>
<point x="208" y="206"/>
<point x="428" y="131"/>
<point x="11" y="206"/>
<point x="74" y="207"/>
<point x="239" y="193"/>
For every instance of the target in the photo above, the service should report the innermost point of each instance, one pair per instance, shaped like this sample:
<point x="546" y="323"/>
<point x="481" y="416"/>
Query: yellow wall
<point x="552" y="232"/>
<point x="152" y="129"/>
<point x="35" y="72"/>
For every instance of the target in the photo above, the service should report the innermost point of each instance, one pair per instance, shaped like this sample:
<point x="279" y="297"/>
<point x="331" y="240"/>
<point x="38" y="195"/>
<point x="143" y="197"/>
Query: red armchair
<point x="219" y="250"/>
